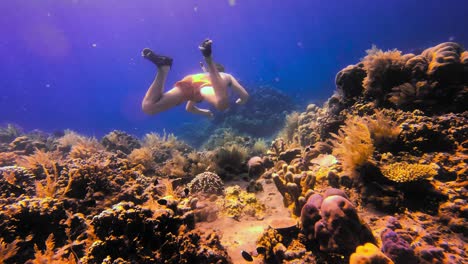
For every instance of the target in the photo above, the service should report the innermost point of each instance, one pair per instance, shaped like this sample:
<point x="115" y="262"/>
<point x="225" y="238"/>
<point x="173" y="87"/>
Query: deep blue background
<point x="76" y="63"/>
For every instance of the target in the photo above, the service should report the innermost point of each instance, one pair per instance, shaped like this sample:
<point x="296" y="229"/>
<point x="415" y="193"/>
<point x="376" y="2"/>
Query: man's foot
<point x="205" y="47"/>
<point x="159" y="60"/>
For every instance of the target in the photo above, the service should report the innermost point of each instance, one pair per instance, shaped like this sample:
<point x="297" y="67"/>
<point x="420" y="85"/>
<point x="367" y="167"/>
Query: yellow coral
<point x="353" y="145"/>
<point x="238" y="202"/>
<point x="405" y="172"/>
<point x="368" y="254"/>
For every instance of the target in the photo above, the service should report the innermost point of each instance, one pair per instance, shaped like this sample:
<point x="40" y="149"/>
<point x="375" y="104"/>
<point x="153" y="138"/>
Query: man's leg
<point x="155" y="91"/>
<point x="153" y="101"/>
<point x="219" y="87"/>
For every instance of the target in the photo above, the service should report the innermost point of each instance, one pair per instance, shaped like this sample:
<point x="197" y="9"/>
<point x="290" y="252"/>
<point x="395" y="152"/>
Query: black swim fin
<point x="158" y="60"/>
<point x="205" y="47"/>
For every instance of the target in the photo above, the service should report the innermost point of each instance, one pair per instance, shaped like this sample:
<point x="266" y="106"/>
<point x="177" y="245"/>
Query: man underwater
<point x="211" y="87"/>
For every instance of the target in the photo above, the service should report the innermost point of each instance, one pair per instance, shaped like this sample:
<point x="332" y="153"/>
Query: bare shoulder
<point x="226" y="75"/>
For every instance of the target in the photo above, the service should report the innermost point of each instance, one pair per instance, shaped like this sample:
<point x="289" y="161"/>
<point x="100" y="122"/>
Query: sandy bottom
<point x="243" y="234"/>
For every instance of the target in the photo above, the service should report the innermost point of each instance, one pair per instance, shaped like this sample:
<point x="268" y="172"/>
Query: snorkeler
<point x="211" y="86"/>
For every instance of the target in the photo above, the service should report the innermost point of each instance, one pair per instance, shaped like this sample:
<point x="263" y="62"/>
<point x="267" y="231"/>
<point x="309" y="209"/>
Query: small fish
<point x="246" y="255"/>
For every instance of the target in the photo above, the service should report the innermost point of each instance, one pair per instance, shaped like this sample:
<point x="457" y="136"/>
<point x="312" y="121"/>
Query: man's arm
<point x="243" y="95"/>
<point x="190" y="107"/>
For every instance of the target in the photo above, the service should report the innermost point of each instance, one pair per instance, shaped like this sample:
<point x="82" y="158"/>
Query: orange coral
<point x="7" y="250"/>
<point x="49" y="255"/>
<point x="51" y="188"/>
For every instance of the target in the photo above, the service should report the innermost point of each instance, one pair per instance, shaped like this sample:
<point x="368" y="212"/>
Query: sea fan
<point x="353" y="145"/>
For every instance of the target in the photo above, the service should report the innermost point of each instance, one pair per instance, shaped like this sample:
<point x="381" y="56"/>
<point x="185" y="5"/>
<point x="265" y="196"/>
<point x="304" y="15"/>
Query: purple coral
<point x="397" y="248"/>
<point x="333" y="222"/>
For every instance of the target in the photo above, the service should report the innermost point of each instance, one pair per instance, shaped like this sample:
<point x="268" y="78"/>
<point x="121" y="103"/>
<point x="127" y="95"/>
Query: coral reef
<point x="382" y="162"/>
<point x="394" y="137"/>
<point x="432" y="81"/>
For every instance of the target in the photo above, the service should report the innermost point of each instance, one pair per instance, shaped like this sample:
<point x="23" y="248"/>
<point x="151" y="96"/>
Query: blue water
<point x="76" y="64"/>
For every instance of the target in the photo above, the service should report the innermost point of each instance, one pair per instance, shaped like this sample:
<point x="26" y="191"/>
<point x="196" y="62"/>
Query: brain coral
<point x="444" y="59"/>
<point x="207" y="183"/>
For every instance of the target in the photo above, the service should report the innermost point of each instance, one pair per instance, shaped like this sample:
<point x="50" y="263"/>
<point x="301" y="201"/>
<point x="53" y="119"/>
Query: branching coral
<point x="51" y="187"/>
<point x="7" y="250"/>
<point x="50" y="255"/>
<point x="353" y="145"/>
<point x="406" y="172"/>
